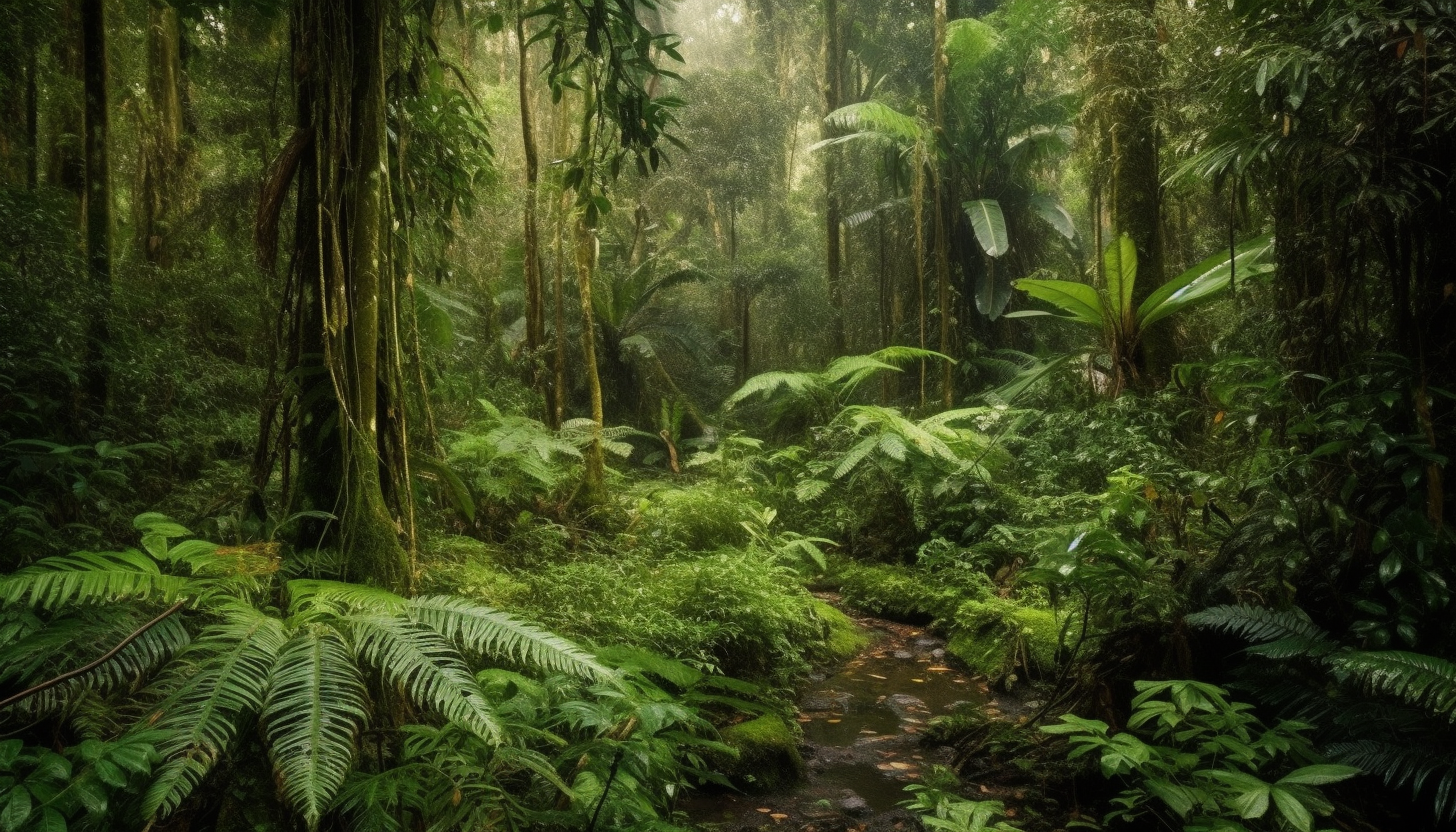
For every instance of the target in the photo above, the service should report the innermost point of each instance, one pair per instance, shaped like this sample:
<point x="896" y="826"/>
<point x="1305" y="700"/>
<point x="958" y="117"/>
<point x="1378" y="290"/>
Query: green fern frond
<point x="1259" y="625"/>
<point x="340" y="598"/>
<point x="1424" y="681"/>
<point x="313" y="711"/>
<point x="486" y="631"/>
<point x="427" y="667"/>
<point x="878" y="122"/>
<point x="213" y="686"/>
<point x="1405" y="765"/>
<point x="91" y="577"/>
<point x="768" y="384"/>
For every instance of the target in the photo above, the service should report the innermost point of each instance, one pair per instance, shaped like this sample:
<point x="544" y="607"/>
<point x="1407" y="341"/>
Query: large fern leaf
<point x="426" y="667"/>
<point x="1424" y="681"/>
<point x="213" y="687"/>
<point x="312" y="713"/>
<point x="1258" y="624"/>
<point x="342" y="597"/>
<point x="1405" y="765"/>
<point x="486" y="631"/>
<point x="768" y="384"/>
<point x="91" y="577"/>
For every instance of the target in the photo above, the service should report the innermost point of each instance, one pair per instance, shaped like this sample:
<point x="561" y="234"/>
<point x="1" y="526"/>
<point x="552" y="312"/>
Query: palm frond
<point x="1424" y="681"/>
<point x="427" y="668"/>
<point x="214" y="685"/>
<point x="313" y="711"/>
<point x="767" y="384"/>
<point x="875" y="122"/>
<point x="486" y="631"/>
<point x="91" y="577"/>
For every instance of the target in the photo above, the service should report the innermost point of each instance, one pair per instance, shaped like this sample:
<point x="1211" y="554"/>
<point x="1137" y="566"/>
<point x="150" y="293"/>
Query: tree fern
<point x="1425" y="682"/>
<point x="215" y="684"/>
<point x="484" y="631"/>
<point x="426" y="668"/>
<point x="313" y="711"/>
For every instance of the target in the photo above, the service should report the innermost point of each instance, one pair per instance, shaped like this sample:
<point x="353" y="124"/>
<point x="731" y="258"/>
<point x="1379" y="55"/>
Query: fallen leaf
<point x="922" y="681"/>
<point x="884" y="766"/>
<point x="876" y="676"/>
<point x="834" y="721"/>
<point x="938" y="669"/>
<point x="778" y="815"/>
<point x="766" y="810"/>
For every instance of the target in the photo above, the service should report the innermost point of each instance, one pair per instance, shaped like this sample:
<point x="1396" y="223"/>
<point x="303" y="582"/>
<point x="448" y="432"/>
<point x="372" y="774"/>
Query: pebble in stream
<point x="861" y="743"/>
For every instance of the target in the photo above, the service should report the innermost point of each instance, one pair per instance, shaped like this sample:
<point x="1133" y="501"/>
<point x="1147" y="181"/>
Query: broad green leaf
<point x="1055" y="215"/>
<point x="1293" y="810"/>
<point x="993" y="292"/>
<point x="1207" y="279"/>
<point x="989" y="224"/>
<point x="1121" y="264"/>
<point x="968" y="43"/>
<point x="1318" y="775"/>
<point x="1079" y="300"/>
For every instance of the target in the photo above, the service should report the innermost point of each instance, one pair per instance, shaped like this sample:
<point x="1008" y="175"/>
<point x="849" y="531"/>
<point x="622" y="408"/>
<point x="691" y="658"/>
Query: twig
<point x="87" y="668"/>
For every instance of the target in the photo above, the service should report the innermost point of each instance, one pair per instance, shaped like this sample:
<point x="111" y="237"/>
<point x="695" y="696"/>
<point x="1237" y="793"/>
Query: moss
<point x="995" y="637"/>
<point x="768" y="755"/>
<point x="842" y="637"/>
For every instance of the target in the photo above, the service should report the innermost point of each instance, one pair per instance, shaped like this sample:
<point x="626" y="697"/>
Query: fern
<point x="1258" y="624"/>
<point x="485" y="631"/>
<point x="313" y="711"/>
<point x="92" y="577"/>
<point x="1423" y="681"/>
<point x="214" y="685"/>
<point x="1405" y="765"/>
<point x="424" y="665"/>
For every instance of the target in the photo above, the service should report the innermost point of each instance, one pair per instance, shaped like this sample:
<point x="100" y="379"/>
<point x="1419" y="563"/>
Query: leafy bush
<point x="1207" y="762"/>
<point x="902" y="593"/>
<point x="699" y="517"/>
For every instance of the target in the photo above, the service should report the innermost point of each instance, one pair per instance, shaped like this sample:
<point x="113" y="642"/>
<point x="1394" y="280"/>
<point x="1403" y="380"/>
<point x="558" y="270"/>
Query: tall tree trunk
<point x="1123" y="68"/>
<point x="66" y="153"/>
<point x="96" y="201"/>
<point x="342" y="237"/>
<point x="833" y="100"/>
<point x="586" y="262"/>
<point x="942" y="229"/>
<point x="161" y="133"/>
<point x="917" y="206"/>
<point x="535" y="305"/>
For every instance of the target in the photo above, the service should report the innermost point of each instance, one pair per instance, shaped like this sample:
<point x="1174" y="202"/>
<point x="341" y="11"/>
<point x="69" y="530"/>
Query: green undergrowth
<point x="1003" y="637"/>
<point x="842" y="637"/>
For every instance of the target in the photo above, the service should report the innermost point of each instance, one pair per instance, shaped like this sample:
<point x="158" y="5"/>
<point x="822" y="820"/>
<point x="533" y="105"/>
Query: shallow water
<point x="861" y="736"/>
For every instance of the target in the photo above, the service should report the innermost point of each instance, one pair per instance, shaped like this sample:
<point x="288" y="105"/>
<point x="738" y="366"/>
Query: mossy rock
<point x="995" y="637"/>
<point x="899" y="593"/>
<point x="843" y="638"/>
<point x="768" y="755"/>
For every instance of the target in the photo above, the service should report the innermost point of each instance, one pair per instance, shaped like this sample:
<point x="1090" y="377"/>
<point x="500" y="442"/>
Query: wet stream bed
<point x="862" y="738"/>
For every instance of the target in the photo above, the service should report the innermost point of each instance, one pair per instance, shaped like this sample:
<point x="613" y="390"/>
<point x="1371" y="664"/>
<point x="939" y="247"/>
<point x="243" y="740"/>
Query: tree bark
<point x="96" y="202"/>
<point x="535" y="306"/>
<point x="942" y="229"/>
<point x="833" y="100"/>
<point x="161" y="134"/>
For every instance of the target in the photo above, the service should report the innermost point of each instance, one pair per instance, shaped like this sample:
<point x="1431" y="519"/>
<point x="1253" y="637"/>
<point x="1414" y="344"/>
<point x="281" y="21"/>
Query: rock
<point x="904" y="654"/>
<point x="927" y="643"/>
<point x="825" y="701"/>
<point x="938" y="653"/>
<point x="768" y="755"/>
<point x="904" y="705"/>
<point x="895" y="820"/>
<point x="854" y="805"/>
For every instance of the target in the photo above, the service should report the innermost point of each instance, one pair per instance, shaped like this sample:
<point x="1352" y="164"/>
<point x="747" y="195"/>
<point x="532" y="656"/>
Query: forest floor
<point x="862" y="739"/>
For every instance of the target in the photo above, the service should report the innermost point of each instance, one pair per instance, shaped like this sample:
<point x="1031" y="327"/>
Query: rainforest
<point x="708" y="416"/>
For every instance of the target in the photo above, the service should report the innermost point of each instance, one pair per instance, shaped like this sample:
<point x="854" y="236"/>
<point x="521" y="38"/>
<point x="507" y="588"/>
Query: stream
<point x="861" y="738"/>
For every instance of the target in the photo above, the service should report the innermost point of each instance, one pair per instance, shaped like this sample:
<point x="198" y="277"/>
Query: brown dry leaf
<point x="938" y="669"/>
<point x="922" y="681"/>
<point x="834" y="721"/>
<point x="777" y="816"/>
<point x="877" y="676"/>
<point x="766" y="810"/>
<point x="898" y="766"/>
<point x="884" y="766"/>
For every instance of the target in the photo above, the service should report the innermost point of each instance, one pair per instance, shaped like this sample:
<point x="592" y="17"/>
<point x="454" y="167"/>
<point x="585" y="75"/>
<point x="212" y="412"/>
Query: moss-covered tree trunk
<point x="833" y="100"/>
<point x="343" y="265"/>
<point x="535" y="305"/>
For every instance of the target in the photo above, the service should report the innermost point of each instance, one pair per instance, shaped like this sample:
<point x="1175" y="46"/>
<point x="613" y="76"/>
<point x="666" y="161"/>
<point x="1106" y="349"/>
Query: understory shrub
<point x="699" y="517"/>
<point x="997" y="637"/>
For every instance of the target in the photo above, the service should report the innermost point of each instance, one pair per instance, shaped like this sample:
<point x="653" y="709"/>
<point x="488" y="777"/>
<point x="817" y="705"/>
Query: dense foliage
<point x="469" y="415"/>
